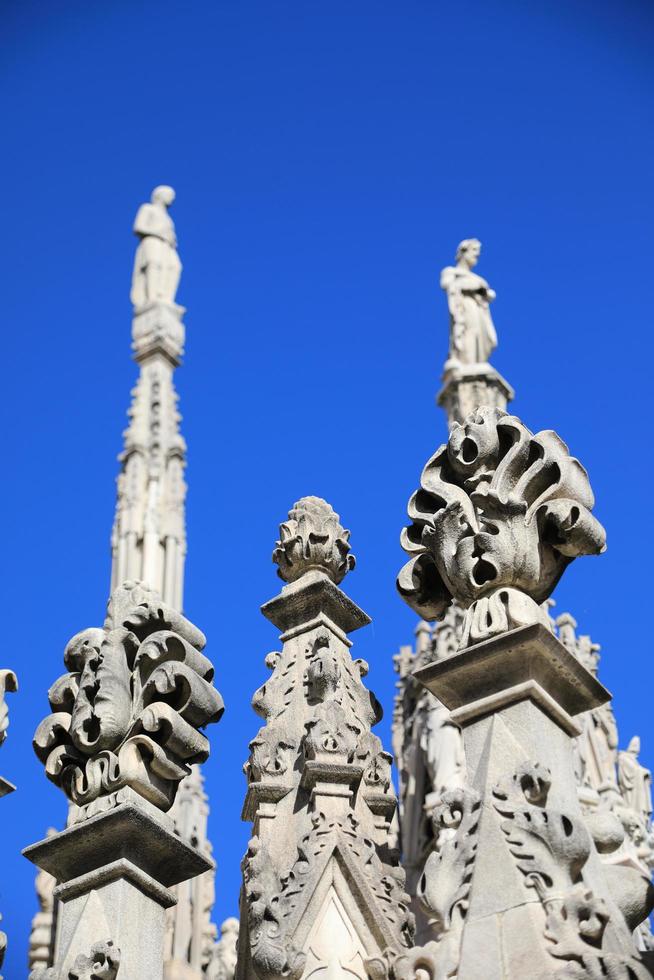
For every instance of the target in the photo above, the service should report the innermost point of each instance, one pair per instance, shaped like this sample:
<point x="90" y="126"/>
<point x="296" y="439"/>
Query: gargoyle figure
<point x="499" y="515"/>
<point x="129" y="710"/>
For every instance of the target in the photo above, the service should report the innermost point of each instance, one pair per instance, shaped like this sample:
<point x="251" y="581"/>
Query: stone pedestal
<point x="534" y="896"/>
<point x="467" y="386"/>
<point x="115" y="872"/>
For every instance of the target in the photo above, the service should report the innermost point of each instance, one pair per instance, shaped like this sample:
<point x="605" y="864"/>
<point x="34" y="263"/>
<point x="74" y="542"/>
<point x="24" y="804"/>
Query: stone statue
<point x="157" y="267"/>
<point x="499" y="515"/>
<point x="8" y="682"/>
<point x="222" y="965"/>
<point x="472" y="334"/>
<point x="635" y="781"/>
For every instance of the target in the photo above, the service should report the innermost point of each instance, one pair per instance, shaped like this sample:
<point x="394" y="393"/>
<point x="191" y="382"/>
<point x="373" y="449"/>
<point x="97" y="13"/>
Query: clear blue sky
<point x="327" y="158"/>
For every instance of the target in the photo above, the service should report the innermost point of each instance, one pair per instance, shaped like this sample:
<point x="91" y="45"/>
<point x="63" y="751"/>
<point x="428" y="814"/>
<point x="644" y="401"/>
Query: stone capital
<point x="133" y="832"/>
<point x="529" y="663"/>
<point x="467" y="386"/>
<point x="310" y="598"/>
<point x="157" y="328"/>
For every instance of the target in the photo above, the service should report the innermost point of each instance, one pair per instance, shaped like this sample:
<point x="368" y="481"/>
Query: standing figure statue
<point x="635" y="781"/>
<point x="472" y="334"/>
<point x="157" y="267"/>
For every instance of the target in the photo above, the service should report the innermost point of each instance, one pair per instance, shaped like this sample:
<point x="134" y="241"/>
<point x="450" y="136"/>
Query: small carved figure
<point x="472" y="333"/>
<point x="157" y="267"/>
<point x="635" y="781"/>
<point x="8" y="682"/>
<point x="223" y="961"/>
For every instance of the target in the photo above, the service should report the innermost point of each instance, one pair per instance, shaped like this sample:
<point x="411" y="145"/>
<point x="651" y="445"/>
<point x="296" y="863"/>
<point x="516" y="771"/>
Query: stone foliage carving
<point x="129" y="710"/>
<point x="472" y="333"/>
<point x="102" y="963"/>
<point x="157" y="268"/>
<point x="313" y="538"/>
<point x="443" y="892"/>
<point x="550" y="848"/>
<point x="499" y="515"/>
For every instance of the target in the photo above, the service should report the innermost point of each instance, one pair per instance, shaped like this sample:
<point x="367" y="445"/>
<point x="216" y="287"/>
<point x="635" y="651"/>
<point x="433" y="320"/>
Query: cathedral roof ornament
<point x="313" y="539"/>
<point x="129" y="711"/>
<point x="499" y="515"/>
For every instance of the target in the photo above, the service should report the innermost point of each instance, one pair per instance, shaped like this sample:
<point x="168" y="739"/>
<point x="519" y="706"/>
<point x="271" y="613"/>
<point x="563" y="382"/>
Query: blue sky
<point x="327" y="159"/>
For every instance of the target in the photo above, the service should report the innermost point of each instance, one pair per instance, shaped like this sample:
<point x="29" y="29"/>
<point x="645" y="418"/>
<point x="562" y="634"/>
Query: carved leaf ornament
<point x="102" y="963"/>
<point x="551" y="848"/>
<point x="129" y="710"/>
<point x="313" y="537"/>
<point x="499" y="515"/>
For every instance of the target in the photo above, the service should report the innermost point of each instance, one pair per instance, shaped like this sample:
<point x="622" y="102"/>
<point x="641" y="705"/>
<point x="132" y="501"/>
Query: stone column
<point x="123" y="733"/>
<point x="323" y="894"/>
<point x="515" y="887"/>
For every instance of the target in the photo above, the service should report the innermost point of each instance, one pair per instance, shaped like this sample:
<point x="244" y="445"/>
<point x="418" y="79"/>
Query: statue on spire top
<point x="157" y="267"/>
<point x="472" y="333"/>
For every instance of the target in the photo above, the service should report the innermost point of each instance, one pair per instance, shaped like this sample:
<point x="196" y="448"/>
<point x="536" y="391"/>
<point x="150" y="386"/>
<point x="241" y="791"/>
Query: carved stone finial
<point x="499" y="515"/>
<point x="313" y="540"/>
<point x="128" y="712"/>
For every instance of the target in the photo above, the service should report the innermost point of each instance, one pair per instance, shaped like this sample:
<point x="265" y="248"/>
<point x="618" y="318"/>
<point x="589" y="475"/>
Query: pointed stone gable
<point x="322" y="890"/>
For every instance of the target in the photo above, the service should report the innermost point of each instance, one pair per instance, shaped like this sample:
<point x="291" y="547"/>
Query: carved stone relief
<point x="551" y="848"/>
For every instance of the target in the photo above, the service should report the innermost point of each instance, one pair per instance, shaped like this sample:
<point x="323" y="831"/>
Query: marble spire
<point x="612" y="786"/>
<point x="148" y="544"/>
<point x="148" y="540"/>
